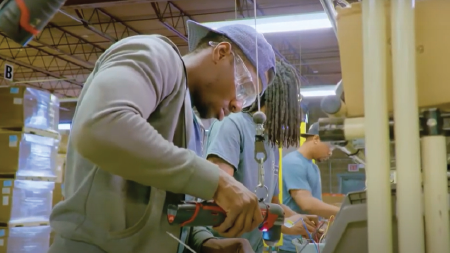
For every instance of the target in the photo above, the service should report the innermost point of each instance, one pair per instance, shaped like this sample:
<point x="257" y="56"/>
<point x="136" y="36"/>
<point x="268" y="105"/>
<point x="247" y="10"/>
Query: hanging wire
<point x="257" y="65"/>
<point x="235" y="9"/>
<point x="255" y="10"/>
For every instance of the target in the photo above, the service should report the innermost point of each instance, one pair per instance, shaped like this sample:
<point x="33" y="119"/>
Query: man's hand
<point x="298" y="228"/>
<point x="232" y="245"/>
<point x="311" y="219"/>
<point x="240" y="205"/>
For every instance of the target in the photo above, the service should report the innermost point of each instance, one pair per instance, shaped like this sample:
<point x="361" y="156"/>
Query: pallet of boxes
<point x="29" y="141"/>
<point x="60" y="166"/>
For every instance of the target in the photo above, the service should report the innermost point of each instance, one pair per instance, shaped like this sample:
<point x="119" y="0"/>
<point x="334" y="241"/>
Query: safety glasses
<point x="245" y="87"/>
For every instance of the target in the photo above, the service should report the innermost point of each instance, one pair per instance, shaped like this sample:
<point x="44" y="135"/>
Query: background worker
<point x="231" y="143"/>
<point x="127" y="156"/>
<point x="188" y="234"/>
<point x="302" y="188"/>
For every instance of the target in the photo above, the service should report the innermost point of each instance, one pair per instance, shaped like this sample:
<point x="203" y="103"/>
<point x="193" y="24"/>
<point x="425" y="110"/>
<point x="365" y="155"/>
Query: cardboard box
<point x="64" y="134"/>
<point x="26" y="107"/>
<point x="60" y="168"/>
<point x="52" y="238"/>
<point x="26" y="201"/>
<point x="25" y="154"/>
<point x="432" y="40"/>
<point x="333" y="199"/>
<point x="22" y="239"/>
<point x="57" y="194"/>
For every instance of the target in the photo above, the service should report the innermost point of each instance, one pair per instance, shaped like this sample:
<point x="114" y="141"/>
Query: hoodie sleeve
<point x="110" y="126"/>
<point x="197" y="237"/>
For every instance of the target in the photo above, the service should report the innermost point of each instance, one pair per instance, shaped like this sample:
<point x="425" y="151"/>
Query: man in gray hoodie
<point x="127" y="157"/>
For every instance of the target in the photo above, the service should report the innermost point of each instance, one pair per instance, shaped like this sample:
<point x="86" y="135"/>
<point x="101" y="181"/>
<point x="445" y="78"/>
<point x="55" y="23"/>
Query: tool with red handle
<point x="209" y="214"/>
<point x="21" y="20"/>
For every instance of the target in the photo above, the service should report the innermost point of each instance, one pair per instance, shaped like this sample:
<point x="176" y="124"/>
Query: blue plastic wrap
<point x="27" y="240"/>
<point x="31" y="201"/>
<point x="41" y="110"/>
<point x="37" y="156"/>
<point x="30" y="108"/>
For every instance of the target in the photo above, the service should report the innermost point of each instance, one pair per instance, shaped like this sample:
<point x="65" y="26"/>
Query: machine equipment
<point x="349" y="230"/>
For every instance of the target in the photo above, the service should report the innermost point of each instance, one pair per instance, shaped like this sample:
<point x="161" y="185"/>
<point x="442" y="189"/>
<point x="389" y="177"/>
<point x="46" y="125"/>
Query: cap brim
<point x="307" y="135"/>
<point x="196" y="32"/>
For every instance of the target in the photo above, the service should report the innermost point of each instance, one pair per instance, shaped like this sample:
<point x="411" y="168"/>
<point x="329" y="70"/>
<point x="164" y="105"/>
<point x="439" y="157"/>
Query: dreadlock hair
<point x="282" y="107"/>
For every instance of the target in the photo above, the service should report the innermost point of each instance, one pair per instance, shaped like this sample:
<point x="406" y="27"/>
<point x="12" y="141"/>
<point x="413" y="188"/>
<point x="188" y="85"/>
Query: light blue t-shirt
<point x="299" y="173"/>
<point x="233" y="140"/>
<point x="195" y="144"/>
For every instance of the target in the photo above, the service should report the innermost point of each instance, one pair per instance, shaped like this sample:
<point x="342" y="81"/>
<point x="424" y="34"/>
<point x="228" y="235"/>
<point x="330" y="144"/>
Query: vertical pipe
<point x="376" y="124"/>
<point x="434" y="164"/>
<point x="329" y="176"/>
<point x="406" y="129"/>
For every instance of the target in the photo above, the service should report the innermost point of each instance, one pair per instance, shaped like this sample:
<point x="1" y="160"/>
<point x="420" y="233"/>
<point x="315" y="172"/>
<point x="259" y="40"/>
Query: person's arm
<point x="201" y="240"/>
<point x="307" y="202"/>
<point x="295" y="178"/>
<point x="298" y="228"/>
<point x="110" y="127"/>
<point x="275" y="199"/>
<point x="198" y="236"/>
<point x="287" y="211"/>
<point x="224" y="145"/>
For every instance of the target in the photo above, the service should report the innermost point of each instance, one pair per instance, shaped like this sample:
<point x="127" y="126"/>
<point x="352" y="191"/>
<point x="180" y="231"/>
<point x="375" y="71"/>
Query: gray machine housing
<point x="349" y="230"/>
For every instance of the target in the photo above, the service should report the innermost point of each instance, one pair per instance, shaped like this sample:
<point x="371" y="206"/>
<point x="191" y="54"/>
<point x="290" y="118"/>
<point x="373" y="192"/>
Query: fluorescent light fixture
<point x="318" y="91"/>
<point x="288" y="23"/>
<point x="64" y="126"/>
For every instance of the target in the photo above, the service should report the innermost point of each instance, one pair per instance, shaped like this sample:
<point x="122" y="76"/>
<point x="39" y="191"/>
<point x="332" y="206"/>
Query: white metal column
<point x="379" y="208"/>
<point x="434" y="164"/>
<point x="406" y="126"/>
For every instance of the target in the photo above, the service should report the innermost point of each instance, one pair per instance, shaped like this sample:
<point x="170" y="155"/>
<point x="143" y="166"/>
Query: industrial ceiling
<point x="61" y="57"/>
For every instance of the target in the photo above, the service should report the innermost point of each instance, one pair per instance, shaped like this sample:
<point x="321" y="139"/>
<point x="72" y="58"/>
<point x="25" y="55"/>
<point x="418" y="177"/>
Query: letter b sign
<point x="9" y="72"/>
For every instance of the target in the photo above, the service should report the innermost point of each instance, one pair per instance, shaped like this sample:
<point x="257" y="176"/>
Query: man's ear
<point x="316" y="139"/>
<point x="222" y="50"/>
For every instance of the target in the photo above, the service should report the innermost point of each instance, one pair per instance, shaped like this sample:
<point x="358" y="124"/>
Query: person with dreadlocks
<point x="231" y="141"/>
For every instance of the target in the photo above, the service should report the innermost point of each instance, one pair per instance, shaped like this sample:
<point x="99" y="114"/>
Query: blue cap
<point x="313" y="130"/>
<point x="244" y="37"/>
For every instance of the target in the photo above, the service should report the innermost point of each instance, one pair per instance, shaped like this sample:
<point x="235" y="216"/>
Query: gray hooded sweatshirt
<point x="126" y="156"/>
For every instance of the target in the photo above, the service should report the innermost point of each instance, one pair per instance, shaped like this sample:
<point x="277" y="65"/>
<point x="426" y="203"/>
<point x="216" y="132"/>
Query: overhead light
<point x="287" y="23"/>
<point x="318" y="91"/>
<point x="64" y="126"/>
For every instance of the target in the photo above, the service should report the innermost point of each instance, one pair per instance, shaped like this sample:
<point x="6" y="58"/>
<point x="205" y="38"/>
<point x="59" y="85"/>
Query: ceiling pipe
<point x="333" y="105"/>
<point x="68" y="100"/>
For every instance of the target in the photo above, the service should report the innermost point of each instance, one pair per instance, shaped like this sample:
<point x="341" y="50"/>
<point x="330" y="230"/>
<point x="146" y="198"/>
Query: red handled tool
<point x="21" y="20"/>
<point x="209" y="214"/>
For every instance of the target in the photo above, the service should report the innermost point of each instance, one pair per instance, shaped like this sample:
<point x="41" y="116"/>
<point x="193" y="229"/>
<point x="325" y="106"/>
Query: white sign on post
<point x="8" y="74"/>
<point x="353" y="167"/>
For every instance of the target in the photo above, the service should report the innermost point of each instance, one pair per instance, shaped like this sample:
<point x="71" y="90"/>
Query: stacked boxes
<point x="60" y="167"/>
<point x="28" y="159"/>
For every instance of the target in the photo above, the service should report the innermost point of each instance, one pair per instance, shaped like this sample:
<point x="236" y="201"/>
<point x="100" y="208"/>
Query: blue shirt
<point x="233" y="140"/>
<point x="195" y="144"/>
<point x="197" y="137"/>
<point x="299" y="173"/>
